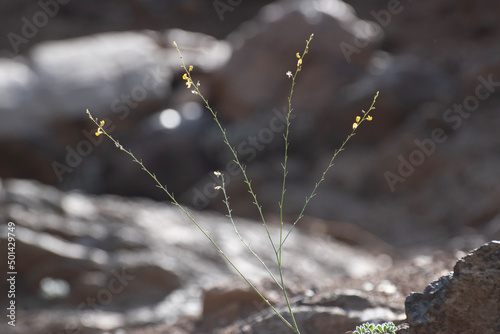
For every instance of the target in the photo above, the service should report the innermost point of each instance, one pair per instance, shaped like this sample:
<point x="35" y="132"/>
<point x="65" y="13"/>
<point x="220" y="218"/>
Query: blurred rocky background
<point x="414" y="190"/>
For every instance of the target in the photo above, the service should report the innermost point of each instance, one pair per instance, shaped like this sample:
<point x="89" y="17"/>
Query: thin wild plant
<point x="277" y="245"/>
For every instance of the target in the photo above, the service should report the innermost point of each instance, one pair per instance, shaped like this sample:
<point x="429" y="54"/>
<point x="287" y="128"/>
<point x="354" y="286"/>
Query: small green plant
<point x="369" y="328"/>
<point x="277" y="245"/>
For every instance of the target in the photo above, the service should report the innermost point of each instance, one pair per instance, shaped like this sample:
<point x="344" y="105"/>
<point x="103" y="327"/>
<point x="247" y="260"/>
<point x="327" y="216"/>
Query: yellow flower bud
<point x="357" y="119"/>
<point x="369" y="118"/>
<point x="354" y="125"/>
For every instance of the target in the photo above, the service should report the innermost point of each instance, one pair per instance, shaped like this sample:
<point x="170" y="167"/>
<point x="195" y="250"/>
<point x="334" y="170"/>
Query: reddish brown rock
<point x="254" y="78"/>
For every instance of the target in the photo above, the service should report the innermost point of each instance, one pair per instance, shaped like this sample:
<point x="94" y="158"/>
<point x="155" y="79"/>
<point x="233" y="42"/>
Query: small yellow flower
<point x="217" y="173"/>
<point x="357" y="119"/>
<point x="189" y="83"/>
<point x="299" y="62"/>
<point x="190" y="68"/>
<point x="218" y="188"/>
<point x="354" y="125"/>
<point x="369" y="118"/>
<point x="185" y="76"/>
<point x="98" y="132"/>
<point x="297" y="55"/>
<point x="102" y="123"/>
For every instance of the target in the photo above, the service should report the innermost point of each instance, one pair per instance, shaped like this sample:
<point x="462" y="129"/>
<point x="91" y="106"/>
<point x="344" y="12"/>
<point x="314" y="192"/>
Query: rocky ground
<point x="105" y="264"/>
<point x="415" y="190"/>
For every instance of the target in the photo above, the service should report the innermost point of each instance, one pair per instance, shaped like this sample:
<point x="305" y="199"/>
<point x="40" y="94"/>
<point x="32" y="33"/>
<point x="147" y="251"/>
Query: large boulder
<point x="111" y="74"/>
<point x="254" y="82"/>
<point x="121" y="77"/>
<point x="465" y="301"/>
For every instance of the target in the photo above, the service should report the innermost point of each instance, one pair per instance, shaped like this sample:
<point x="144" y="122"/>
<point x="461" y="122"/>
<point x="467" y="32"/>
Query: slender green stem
<point x="285" y="172"/>
<point x="246" y="180"/>
<point x="236" y="159"/>
<point x="230" y="216"/>
<point x="196" y="90"/>
<point x="174" y="201"/>
<point x="278" y="251"/>
<point x="330" y="165"/>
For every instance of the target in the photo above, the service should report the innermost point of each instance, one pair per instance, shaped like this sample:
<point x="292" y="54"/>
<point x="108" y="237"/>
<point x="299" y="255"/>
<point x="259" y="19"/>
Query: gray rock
<point x="133" y="262"/>
<point x="465" y="301"/>
<point x="112" y="74"/>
